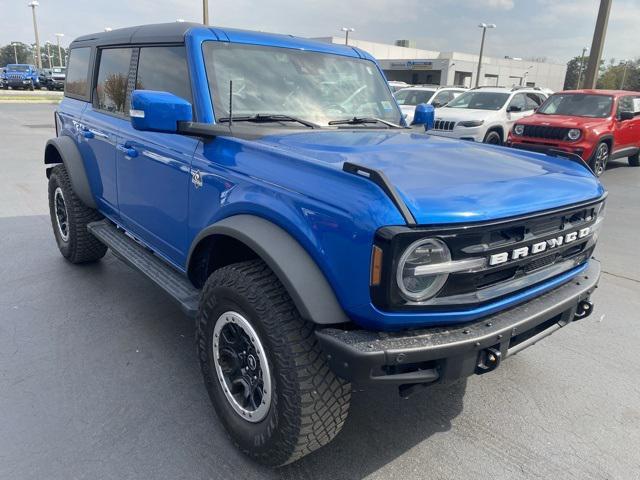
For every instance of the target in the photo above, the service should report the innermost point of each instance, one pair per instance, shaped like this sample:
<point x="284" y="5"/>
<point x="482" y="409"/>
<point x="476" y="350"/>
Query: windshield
<point x="413" y="97"/>
<point x="578" y="105"/>
<point x="316" y="87"/>
<point x="480" y="100"/>
<point x="18" y="68"/>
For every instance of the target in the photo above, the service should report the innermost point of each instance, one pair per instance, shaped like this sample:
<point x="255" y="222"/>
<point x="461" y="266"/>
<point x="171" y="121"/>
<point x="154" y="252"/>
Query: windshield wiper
<point x="363" y="120"/>
<point x="266" y="118"/>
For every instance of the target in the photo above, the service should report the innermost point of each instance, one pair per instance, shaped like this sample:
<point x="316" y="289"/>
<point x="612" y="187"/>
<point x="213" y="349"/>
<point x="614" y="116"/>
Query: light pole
<point x="48" y="44"/>
<point x="525" y="74"/>
<point x="484" y="27"/>
<point x="205" y="12"/>
<point x="584" y="50"/>
<point x="33" y="6"/>
<point x="60" y="59"/>
<point x="624" y="74"/>
<point x="346" y="31"/>
<point x="15" y="51"/>
<point x="593" y="68"/>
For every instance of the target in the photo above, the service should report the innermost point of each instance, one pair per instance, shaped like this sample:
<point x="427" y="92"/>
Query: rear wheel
<point x="599" y="159"/>
<point x="634" y="160"/>
<point x="265" y="373"/>
<point x="69" y="219"/>
<point x="493" y="138"/>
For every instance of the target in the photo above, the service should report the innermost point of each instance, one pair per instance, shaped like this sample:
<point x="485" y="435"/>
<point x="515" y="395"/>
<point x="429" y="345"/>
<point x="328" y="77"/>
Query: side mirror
<point x="424" y="115"/>
<point x="158" y="111"/>
<point x="514" y="108"/>
<point x="627" y="116"/>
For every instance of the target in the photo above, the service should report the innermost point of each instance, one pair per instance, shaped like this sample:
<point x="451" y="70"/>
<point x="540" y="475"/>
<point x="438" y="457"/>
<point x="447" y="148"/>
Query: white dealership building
<point x="416" y="66"/>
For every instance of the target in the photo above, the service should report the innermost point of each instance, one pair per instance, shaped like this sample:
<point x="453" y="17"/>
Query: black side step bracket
<point x="380" y="179"/>
<point x="157" y="270"/>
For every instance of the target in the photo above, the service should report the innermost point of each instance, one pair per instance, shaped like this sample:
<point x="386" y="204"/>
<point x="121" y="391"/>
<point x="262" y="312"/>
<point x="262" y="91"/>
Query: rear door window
<point x="77" y="83"/>
<point x="533" y="101"/>
<point x="519" y="101"/>
<point x="113" y="78"/>
<point x="164" y="69"/>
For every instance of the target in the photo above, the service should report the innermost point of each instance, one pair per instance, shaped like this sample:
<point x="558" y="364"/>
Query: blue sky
<point x="556" y="29"/>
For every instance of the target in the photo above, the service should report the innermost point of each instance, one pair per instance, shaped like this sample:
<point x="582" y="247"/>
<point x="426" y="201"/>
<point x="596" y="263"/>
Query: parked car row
<point x="28" y="77"/>
<point x="592" y="125"/>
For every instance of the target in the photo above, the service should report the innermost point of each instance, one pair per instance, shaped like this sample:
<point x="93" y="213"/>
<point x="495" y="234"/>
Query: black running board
<point x="157" y="270"/>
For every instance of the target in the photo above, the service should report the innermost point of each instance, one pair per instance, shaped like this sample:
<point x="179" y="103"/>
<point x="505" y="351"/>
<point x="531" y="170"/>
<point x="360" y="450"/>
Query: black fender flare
<point x="306" y="284"/>
<point x="610" y="138"/>
<point x="64" y="149"/>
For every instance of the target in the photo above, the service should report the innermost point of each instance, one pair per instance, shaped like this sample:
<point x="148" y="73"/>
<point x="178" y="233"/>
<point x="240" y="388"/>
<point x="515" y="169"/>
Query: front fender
<point x="298" y="272"/>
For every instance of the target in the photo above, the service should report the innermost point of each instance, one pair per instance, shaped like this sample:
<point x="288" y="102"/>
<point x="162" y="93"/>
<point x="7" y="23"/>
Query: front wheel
<point x="599" y="159"/>
<point x="263" y="368"/>
<point x="493" y="138"/>
<point x="634" y="160"/>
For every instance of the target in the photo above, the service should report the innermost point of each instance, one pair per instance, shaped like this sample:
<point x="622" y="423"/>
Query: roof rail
<point x="524" y="87"/>
<point x="480" y="87"/>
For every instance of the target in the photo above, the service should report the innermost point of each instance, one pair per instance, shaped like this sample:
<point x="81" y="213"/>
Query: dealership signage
<point x="413" y="65"/>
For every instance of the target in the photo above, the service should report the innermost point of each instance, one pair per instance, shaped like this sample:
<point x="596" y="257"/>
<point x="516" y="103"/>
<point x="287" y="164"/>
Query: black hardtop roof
<point x="158" y="33"/>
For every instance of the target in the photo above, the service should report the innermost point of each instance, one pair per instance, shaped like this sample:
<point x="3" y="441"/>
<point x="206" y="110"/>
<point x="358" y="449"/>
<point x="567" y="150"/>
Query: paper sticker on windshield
<point x="636" y="105"/>
<point x="386" y="105"/>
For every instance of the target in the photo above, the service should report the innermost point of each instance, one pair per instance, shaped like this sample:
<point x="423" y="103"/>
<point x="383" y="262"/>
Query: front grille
<point x="540" y="131"/>
<point x="539" y="263"/>
<point x="493" y="239"/>
<point x="443" y="125"/>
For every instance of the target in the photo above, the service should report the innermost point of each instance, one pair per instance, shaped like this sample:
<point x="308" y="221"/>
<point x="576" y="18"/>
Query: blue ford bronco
<point x="21" y="76"/>
<point x="268" y="184"/>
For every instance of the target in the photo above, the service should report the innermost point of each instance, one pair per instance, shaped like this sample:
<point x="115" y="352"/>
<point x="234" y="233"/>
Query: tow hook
<point x="583" y="310"/>
<point x="488" y="360"/>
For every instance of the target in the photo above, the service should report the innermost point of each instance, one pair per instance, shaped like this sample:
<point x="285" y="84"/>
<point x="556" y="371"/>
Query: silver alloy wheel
<point x="602" y="156"/>
<point x="62" y="217"/>
<point x="242" y="366"/>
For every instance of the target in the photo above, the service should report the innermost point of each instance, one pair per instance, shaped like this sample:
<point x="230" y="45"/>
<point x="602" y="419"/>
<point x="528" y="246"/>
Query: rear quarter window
<point x="113" y="78"/>
<point x="77" y="82"/>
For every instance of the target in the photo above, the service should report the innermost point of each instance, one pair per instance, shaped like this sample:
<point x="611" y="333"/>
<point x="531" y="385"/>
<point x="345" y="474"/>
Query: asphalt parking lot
<point x="99" y="377"/>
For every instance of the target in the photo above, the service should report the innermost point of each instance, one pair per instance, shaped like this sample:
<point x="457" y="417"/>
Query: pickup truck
<point x="270" y="186"/>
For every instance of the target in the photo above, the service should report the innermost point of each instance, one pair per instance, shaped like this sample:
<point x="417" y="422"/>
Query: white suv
<point x="486" y="114"/>
<point x="435" y="95"/>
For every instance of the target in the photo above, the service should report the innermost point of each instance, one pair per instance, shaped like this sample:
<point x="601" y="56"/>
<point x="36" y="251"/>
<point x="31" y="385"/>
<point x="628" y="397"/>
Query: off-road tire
<point x="493" y="137"/>
<point x="32" y="86"/>
<point x="309" y="404"/>
<point x="80" y="246"/>
<point x="634" y="160"/>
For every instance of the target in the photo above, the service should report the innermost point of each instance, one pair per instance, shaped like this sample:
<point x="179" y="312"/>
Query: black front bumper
<point x="446" y="353"/>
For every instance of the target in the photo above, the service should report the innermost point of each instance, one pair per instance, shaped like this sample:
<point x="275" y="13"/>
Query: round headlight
<point x="573" y="134"/>
<point x="413" y="285"/>
<point x="518" y="129"/>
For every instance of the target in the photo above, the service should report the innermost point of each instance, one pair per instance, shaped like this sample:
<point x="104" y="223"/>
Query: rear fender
<point x="64" y="150"/>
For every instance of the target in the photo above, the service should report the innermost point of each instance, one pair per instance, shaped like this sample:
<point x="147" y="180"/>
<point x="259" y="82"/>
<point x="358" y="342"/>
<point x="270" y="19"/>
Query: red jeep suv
<point x="597" y="125"/>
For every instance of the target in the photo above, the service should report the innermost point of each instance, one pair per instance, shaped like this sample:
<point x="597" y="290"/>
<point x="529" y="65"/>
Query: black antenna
<point x="230" y="103"/>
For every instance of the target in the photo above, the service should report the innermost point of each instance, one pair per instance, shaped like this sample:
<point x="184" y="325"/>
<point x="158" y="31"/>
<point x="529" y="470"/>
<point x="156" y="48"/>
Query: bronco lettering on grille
<point x="539" y="247"/>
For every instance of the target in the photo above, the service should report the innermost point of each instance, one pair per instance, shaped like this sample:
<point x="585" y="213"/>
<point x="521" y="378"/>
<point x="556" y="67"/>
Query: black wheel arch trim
<point x="306" y="284"/>
<point x="608" y="137"/>
<point x="67" y="151"/>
